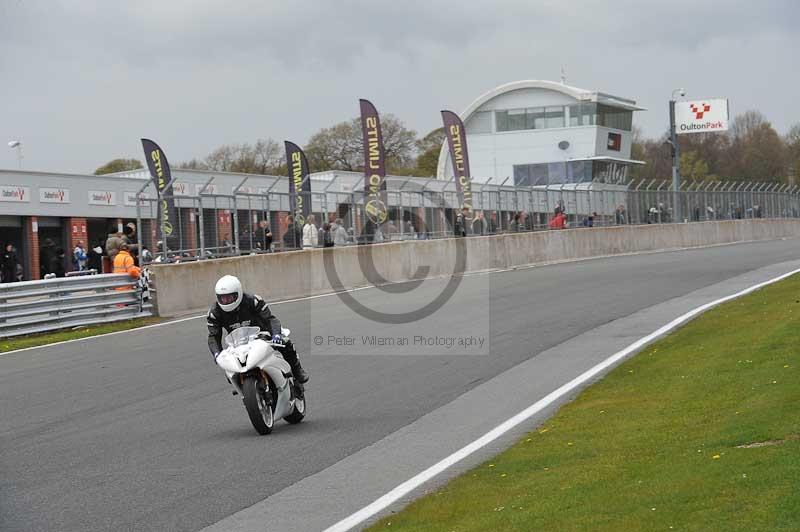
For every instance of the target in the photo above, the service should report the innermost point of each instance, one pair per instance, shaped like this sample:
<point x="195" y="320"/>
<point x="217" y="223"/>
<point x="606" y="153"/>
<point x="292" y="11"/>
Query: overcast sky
<point x="82" y="81"/>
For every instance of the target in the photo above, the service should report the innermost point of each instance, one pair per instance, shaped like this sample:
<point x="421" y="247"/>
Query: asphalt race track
<point x="139" y="431"/>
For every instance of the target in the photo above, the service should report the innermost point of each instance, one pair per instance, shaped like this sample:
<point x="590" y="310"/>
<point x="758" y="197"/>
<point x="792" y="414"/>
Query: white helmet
<point x="229" y="293"/>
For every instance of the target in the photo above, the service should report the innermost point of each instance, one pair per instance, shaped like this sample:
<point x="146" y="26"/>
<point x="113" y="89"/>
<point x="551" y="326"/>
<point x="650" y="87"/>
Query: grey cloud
<point x="201" y="73"/>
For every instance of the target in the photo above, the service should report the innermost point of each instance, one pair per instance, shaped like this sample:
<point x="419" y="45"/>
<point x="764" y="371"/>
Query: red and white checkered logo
<point x="699" y="111"/>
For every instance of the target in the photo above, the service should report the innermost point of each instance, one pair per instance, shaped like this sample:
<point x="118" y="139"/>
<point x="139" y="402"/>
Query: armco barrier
<point x="38" y="306"/>
<point x="189" y="286"/>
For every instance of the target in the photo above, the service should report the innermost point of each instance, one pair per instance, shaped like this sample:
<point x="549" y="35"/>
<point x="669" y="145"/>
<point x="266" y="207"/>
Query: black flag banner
<point x="299" y="202"/>
<point x="457" y="140"/>
<point x="374" y="165"/>
<point x="159" y="170"/>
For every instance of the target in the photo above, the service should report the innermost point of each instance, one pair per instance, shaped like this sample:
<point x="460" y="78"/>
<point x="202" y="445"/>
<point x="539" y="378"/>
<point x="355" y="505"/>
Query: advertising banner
<point x="159" y="170"/>
<point x="374" y="164"/>
<point x="297" y="164"/>
<point x="54" y="195"/>
<point x="102" y="197"/>
<point x="457" y="140"/>
<point x="701" y="116"/>
<point x="15" y="194"/>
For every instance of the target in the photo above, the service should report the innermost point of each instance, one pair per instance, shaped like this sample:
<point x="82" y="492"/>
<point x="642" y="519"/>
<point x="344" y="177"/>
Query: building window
<point x="534" y="118"/>
<point x="553" y="173"/>
<point x="614" y="117"/>
<point x="479" y="123"/>
<point x="580" y="114"/>
<point x="554" y="117"/>
<point x="516" y="119"/>
<point x="501" y="120"/>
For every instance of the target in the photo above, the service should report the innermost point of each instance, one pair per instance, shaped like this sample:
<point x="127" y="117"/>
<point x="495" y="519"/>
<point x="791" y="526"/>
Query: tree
<point x="264" y="157"/>
<point x="119" y="165"/>
<point x="339" y="147"/>
<point x="693" y="166"/>
<point x="792" y="141"/>
<point x="756" y="151"/>
<point x="429" y="148"/>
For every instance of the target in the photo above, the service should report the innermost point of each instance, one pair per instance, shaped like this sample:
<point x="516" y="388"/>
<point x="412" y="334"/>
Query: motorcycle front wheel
<point x="299" y="410"/>
<point x="258" y="409"/>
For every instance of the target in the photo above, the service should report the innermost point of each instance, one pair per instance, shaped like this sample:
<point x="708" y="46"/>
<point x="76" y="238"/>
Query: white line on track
<point x="469" y="274"/>
<point x="415" y="482"/>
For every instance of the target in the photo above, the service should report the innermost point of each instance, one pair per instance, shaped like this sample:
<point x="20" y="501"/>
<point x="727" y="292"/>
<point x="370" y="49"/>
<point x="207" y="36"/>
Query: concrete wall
<point x="189" y="287"/>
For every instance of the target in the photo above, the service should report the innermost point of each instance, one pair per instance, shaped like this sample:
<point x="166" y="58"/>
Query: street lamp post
<point x="676" y="156"/>
<point x="17" y="144"/>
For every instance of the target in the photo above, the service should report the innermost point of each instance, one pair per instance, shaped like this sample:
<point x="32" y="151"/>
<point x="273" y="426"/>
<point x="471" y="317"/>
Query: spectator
<point x="8" y="266"/>
<point x="619" y="215"/>
<point x="95" y="258"/>
<point x="589" y="220"/>
<point x="559" y="221"/>
<point x="513" y="227"/>
<point x="46" y="254"/>
<point x="293" y="236"/>
<point x="113" y="242"/>
<point x="123" y="263"/>
<point x="79" y="257"/>
<point x="227" y="245"/>
<point x="146" y="256"/>
<point x="478" y="223"/>
<point x="409" y="230"/>
<point x="129" y="236"/>
<point x="491" y="223"/>
<point x="264" y="235"/>
<point x="310" y="235"/>
<point x="339" y="232"/>
<point x="460" y="229"/>
<point x="56" y="266"/>
<point x="390" y="230"/>
<point x="327" y="236"/>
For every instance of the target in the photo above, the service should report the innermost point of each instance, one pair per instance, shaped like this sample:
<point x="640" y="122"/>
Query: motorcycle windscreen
<point x="241" y="336"/>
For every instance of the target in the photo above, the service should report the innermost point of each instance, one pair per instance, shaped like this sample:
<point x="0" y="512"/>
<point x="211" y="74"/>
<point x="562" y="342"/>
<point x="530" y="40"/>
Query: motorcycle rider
<point x="234" y="308"/>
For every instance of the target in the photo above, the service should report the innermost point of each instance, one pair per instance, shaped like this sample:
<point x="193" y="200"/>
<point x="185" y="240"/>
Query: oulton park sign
<point x="701" y="116"/>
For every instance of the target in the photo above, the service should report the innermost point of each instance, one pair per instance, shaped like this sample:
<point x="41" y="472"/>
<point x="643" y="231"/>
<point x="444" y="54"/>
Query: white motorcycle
<point x="264" y="379"/>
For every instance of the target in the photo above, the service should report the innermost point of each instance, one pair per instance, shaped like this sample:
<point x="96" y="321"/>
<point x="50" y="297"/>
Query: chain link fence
<point x="259" y="221"/>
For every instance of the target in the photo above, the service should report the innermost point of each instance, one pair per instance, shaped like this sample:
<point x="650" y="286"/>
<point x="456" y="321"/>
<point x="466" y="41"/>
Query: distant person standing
<point x="293" y="237"/>
<point x="310" y="235"/>
<point x="8" y="266"/>
<point x="79" y="257"/>
<point x="56" y="266"/>
<point x="94" y="259"/>
<point x="339" y="232"/>
<point x="46" y="254"/>
<point x="264" y="235"/>
<point x="461" y="222"/>
<point x="327" y="236"/>
<point x="478" y="224"/>
<point x="113" y="243"/>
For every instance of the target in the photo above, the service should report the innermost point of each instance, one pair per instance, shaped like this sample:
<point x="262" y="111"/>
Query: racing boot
<point x="299" y="373"/>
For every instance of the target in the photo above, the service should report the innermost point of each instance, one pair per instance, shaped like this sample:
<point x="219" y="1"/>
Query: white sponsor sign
<point x="701" y="116"/>
<point x="15" y="194"/>
<point x="54" y="195"/>
<point x="102" y="197"/>
<point x="210" y="189"/>
<point x="180" y="188"/>
<point x="130" y="199"/>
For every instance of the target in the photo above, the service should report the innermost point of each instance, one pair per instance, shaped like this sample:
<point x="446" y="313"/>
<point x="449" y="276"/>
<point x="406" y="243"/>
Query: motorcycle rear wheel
<point x="258" y="410"/>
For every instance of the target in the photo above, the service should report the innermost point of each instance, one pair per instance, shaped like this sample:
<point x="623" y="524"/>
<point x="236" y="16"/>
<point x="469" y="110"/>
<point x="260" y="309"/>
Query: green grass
<point x="13" y="344"/>
<point x="654" y="445"/>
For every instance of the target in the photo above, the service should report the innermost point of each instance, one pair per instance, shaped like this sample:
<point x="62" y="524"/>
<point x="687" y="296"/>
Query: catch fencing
<point x="249" y="221"/>
<point x="30" y="307"/>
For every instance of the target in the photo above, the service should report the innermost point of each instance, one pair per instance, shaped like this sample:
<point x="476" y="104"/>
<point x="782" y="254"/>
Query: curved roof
<point x="574" y="92"/>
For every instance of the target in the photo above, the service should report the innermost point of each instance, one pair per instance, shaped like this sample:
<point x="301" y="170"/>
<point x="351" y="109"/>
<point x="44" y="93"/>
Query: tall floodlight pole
<point x="676" y="156"/>
<point x="17" y="144"/>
